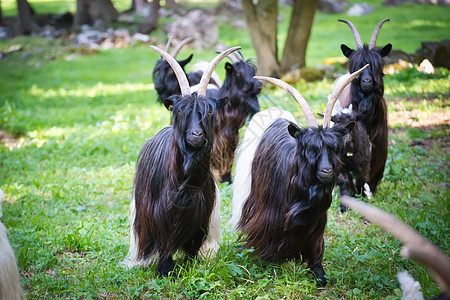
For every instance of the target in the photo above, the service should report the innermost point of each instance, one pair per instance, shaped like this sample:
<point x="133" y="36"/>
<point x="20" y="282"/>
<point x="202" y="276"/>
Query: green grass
<point x="80" y="125"/>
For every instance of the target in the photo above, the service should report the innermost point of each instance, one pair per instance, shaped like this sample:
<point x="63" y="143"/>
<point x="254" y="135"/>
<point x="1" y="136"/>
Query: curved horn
<point x="332" y="98"/>
<point x="358" y="41"/>
<point x="307" y="111"/>
<point x="373" y="38"/>
<point x="415" y="246"/>
<point x="180" y="45"/>
<point x="168" y="43"/>
<point x="210" y="69"/>
<point x="181" y="76"/>
<point x="233" y="57"/>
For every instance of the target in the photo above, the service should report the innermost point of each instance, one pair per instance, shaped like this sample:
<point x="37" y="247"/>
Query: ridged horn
<point x="203" y="85"/>
<point x="332" y="98"/>
<point x="358" y="40"/>
<point x="307" y="111"/>
<point x="415" y="246"/>
<point x="373" y="38"/>
<point x="181" y="76"/>
<point x="180" y="46"/>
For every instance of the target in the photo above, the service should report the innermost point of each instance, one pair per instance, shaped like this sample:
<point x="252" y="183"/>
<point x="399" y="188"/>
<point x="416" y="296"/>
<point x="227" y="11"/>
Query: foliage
<point x="68" y="180"/>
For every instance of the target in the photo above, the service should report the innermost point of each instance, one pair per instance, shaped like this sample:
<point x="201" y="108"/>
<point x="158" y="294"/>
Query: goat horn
<point x="203" y="85"/>
<point x="181" y="76"/>
<point x="307" y="111"/>
<point x="232" y="56"/>
<point x="358" y="41"/>
<point x="415" y="246"/>
<point x="168" y="43"/>
<point x="373" y="38"/>
<point x="180" y="45"/>
<point x="332" y="98"/>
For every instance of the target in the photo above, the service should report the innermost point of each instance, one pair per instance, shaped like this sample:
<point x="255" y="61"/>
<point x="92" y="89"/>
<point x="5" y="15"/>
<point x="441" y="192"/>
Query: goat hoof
<point x="343" y="208"/>
<point x="321" y="282"/>
<point x="164" y="268"/>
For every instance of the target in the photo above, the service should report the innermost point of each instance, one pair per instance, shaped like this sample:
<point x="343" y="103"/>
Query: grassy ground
<point x="79" y="126"/>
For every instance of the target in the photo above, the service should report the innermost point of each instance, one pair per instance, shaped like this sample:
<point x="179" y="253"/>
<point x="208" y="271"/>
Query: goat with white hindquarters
<point x="281" y="205"/>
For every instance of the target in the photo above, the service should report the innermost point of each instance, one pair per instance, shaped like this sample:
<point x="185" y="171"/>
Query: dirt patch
<point x="8" y="140"/>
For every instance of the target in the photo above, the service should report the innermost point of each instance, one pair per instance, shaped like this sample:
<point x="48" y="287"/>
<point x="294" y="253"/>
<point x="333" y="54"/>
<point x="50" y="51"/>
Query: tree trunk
<point x="263" y="25"/>
<point x="138" y="5"/>
<point x="294" y="52"/>
<point x="152" y="20"/>
<point x="24" y="12"/>
<point x="91" y="11"/>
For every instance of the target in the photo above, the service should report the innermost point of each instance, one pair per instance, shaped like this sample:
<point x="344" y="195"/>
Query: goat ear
<point x="186" y="61"/>
<point x="349" y="127"/>
<point x="228" y="67"/>
<point x="294" y="130"/>
<point x="385" y="50"/>
<point x="346" y="50"/>
<point x="168" y="103"/>
<point x="222" y="102"/>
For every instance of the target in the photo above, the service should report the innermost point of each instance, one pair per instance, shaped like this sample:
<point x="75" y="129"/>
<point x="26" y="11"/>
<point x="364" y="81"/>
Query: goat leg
<point x="165" y="266"/>
<point x="320" y="274"/>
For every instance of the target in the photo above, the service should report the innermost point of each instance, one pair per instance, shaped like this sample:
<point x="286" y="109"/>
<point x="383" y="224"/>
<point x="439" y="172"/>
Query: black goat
<point x="164" y="78"/>
<point x="242" y="90"/>
<point x="174" y="189"/>
<point x="367" y="97"/>
<point x="291" y="174"/>
<point x="355" y="155"/>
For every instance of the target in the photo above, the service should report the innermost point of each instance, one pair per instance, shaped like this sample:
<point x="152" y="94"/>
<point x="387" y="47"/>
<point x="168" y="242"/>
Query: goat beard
<point x="196" y="158"/>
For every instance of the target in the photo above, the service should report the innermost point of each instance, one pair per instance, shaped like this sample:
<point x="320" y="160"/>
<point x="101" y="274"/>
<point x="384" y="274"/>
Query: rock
<point x="330" y="6"/>
<point x="196" y="24"/>
<point x="360" y="10"/>
<point x="437" y="53"/>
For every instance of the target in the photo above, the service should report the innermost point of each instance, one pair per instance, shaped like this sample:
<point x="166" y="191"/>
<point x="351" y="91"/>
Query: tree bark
<point x="171" y="4"/>
<point x="262" y="24"/>
<point x="302" y="17"/>
<point x="152" y="20"/>
<point x="24" y="11"/>
<point x="137" y="5"/>
<point x="90" y="11"/>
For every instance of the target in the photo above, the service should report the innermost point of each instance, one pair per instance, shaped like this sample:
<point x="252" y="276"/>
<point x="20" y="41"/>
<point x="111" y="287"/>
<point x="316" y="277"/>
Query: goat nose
<point x="197" y="133"/>
<point x="326" y="171"/>
<point x="367" y="80"/>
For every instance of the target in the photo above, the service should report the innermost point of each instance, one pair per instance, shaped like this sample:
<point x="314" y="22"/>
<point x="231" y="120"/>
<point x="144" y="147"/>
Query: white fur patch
<point x="9" y="273"/>
<point x="246" y="151"/>
<point x="410" y="287"/>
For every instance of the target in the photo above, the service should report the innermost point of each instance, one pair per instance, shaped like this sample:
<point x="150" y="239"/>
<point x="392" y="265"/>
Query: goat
<point x="242" y="90"/>
<point x="415" y="246"/>
<point x="292" y="174"/>
<point x="366" y="96"/>
<point x="9" y="274"/>
<point x="174" y="189"/>
<point x="355" y="155"/>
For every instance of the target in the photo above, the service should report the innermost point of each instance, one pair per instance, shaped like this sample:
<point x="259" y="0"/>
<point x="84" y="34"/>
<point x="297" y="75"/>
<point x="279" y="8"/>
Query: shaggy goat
<point x="415" y="246"/>
<point x="242" y="90"/>
<point x="9" y="274"/>
<point x="291" y="173"/>
<point x="355" y="155"/>
<point x="174" y="189"/>
<point x="366" y="96"/>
